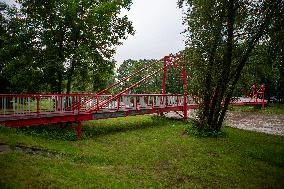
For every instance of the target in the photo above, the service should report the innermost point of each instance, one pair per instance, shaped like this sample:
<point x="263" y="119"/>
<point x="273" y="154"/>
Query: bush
<point x="194" y="129"/>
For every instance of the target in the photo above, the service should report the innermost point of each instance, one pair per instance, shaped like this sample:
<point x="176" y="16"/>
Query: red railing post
<point x="79" y="101"/>
<point x="37" y="104"/>
<point x="97" y="97"/>
<point x="56" y="103"/>
<point x="136" y="103"/>
<point x="177" y="101"/>
<point x="60" y="103"/>
<point x="118" y="103"/>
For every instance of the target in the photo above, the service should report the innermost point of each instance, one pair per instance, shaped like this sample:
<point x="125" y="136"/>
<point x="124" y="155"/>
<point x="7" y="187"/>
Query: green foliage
<point x="61" y="44"/>
<point x="194" y="129"/>
<point x="142" y="152"/>
<point x="264" y="66"/>
<point x="18" y="71"/>
<point x="226" y="39"/>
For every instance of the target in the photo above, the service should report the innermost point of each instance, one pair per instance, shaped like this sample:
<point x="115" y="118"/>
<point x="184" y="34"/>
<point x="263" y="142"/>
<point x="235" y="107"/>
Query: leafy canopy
<point x="72" y="42"/>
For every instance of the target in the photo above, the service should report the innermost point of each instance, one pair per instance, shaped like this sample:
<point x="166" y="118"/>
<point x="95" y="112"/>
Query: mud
<point x="4" y="148"/>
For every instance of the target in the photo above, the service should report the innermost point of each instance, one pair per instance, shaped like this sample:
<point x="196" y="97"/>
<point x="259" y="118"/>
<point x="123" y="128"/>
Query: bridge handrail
<point x="124" y="79"/>
<point x="134" y="85"/>
<point x="95" y="108"/>
<point x="38" y="103"/>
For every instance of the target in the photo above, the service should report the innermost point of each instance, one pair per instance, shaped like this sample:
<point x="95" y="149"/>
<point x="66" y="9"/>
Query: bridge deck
<point x="34" y="118"/>
<point x="20" y="120"/>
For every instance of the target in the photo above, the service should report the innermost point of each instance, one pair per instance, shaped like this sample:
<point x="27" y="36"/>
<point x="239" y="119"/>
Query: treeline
<point x="60" y="46"/>
<point x="263" y="66"/>
<point x="67" y="46"/>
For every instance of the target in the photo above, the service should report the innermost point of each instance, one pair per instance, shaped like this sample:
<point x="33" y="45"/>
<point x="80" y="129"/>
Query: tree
<point x="222" y="35"/>
<point x="263" y="66"/>
<point x="85" y="33"/>
<point x="3" y="57"/>
<point x="17" y="54"/>
<point x="73" y="40"/>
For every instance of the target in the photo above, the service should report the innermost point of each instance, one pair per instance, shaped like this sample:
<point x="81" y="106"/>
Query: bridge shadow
<point x="116" y="125"/>
<point x="93" y="129"/>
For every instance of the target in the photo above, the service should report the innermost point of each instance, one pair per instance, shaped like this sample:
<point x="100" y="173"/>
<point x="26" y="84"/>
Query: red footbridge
<point x="20" y="110"/>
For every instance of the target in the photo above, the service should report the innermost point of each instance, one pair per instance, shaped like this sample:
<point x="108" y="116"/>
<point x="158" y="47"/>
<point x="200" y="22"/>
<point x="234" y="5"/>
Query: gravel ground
<point x="253" y="121"/>
<point x="266" y="123"/>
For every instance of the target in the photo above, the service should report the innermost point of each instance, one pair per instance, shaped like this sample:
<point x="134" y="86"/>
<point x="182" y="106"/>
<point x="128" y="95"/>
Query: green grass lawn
<point x="140" y="152"/>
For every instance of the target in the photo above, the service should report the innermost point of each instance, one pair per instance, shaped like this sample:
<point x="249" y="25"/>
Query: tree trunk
<point x="212" y="106"/>
<point x="227" y="62"/>
<point x="220" y="99"/>
<point x="243" y="60"/>
<point x="206" y="105"/>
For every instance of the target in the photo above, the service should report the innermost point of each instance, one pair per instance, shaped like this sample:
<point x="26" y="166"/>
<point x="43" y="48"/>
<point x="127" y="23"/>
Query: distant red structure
<point x="19" y="110"/>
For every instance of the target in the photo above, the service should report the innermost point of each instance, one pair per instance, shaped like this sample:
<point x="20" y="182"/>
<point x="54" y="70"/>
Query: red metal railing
<point x="27" y="104"/>
<point x="168" y="61"/>
<point x="20" y="104"/>
<point x="23" y="104"/>
<point x="255" y="97"/>
<point x="117" y="83"/>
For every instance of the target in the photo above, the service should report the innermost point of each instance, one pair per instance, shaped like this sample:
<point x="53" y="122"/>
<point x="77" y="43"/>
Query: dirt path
<point x="266" y="123"/>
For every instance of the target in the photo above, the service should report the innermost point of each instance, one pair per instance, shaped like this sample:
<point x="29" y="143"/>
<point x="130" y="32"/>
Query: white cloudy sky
<point x="158" y="25"/>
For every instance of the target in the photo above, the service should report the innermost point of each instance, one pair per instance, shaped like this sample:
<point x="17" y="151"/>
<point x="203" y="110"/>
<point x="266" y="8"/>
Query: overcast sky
<point x="158" y="24"/>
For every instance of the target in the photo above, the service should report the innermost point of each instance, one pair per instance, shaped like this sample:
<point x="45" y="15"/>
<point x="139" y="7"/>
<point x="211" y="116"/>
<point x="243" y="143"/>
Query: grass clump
<point x="193" y="129"/>
<point x="63" y="131"/>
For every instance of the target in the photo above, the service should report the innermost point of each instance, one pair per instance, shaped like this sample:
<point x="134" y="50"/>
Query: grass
<point x="140" y="152"/>
<point x="272" y="108"/>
